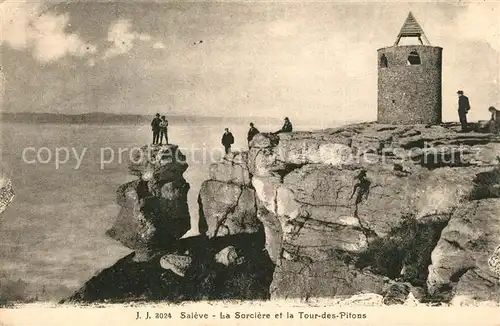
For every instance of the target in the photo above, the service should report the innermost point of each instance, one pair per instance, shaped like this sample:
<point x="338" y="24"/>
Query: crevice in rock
<point x="454" y="244"/>
<point x="298" y="223"/>
<point x="387" y="128"/>
<point x="289" y="167"/>
<point x="362" y="190"/>
<point x="230" y="210"/>
<point x="142" y="189"/>
<point x="202" y="221"/>
<point x="458" y="274"/>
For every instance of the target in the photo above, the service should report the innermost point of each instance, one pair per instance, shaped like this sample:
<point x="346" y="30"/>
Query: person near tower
<point x="463" y="109"/>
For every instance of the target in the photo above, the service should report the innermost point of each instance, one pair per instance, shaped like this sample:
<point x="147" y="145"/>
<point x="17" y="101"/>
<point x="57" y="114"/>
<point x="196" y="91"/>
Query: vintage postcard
<point x="238" y="162"/>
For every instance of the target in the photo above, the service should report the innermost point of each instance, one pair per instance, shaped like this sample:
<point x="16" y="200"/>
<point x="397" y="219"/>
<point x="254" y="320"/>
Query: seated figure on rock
<point x="494" y="123"/>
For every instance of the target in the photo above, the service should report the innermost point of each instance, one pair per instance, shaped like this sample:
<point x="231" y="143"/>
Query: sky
<point x="305" y="60"/>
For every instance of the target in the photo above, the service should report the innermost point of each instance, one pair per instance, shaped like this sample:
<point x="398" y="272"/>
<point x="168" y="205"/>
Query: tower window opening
<point x="383" y="61"/>
<point x="414" y="58"/>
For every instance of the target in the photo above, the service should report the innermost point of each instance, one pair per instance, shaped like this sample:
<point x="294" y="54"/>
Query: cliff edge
<point x="399" y="212"/>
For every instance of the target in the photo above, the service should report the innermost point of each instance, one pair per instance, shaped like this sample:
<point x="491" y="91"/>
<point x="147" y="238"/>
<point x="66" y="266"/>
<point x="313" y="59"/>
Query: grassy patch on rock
<point x="406" y="252"/>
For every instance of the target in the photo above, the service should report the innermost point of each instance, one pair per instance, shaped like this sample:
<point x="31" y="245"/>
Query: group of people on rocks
<point x="228" y="138"/>
<point x="159" y="125"/>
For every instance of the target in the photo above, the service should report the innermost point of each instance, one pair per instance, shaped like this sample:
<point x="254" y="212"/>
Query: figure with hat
<point x="287" y="127"/>
<point x="155" y="126"/>
<point x="463" y="109"/>
<point x="227" y="140"/>
<point x="252" y="132"/>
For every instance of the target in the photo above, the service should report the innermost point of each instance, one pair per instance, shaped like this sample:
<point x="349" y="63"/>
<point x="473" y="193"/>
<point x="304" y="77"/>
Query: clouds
<point x="50" y="42"/>
<point x="122" y="38"/>
<point x="30" y="26"/>
<point x="26" y="27"/>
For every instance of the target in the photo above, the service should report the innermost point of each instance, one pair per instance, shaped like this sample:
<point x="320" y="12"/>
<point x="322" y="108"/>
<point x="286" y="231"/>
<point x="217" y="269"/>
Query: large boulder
<point x="264" y="162"/>
<point x="148" y="224"/>
<point x="397" y="293"/>
<point x="388" y="196"/>
<point x="153" y="210"/>
<point x="227" y="256"/>
<point x="178" y="264"/>
<point x="304" y="278"/>
<point x="476" y="285"/>
<point x="466" y="245"/>
<point x="157" y="165"/>
<point x="304" y="149"/>
<point x="316" y="206"/>
<point x="227" y="209"/>
<point x="232" y="169"/>
<point x="266" y="189"/>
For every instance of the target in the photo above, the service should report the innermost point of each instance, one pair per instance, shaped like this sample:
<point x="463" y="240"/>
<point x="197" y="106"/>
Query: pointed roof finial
<point x="411" y="28"/>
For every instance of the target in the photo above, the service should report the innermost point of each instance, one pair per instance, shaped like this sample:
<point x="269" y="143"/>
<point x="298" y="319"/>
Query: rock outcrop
<point x="6" y="192"/>
<point x="461" y="256"/>
<point x="228" y="209"/>
<point x="398" y="214"/>
<point x="348" y="210"/>
<point x="228" y="264"/>
<point x="154" y="211"/>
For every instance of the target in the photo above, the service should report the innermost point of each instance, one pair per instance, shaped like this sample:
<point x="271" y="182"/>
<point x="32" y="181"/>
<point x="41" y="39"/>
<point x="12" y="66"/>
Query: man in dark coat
<point x="252" y="132"/>
<point x="287" y="127"/>
<point x="463" y="109"/>
<point x="155" y="126"/>
<point x="227" y="140"/>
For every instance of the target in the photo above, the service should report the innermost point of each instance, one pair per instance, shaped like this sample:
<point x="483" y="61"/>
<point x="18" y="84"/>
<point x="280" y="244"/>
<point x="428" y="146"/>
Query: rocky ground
<point x="402" y="212"/>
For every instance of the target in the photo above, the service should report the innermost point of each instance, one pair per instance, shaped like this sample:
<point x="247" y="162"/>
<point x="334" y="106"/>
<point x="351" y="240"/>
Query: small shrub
<point x="409" y="245"/>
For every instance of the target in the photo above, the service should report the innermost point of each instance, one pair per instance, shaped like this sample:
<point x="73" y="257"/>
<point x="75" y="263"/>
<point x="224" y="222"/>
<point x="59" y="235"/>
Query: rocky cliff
<point x="367" y="208"/>
<point x="6" y="191"/>
<point x="153" y="217"/>
<point x="396" y="211"/>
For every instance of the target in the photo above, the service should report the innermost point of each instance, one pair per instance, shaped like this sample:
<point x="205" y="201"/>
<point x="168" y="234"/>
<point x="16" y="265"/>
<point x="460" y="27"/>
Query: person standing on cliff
<point x="155" y="127"/>
<point x="227" y="140"/>
<point x="287" y="127"/>
<point x="163" y="129"/>
<point x="252" y="132"/>
<point x="463" y="109"/>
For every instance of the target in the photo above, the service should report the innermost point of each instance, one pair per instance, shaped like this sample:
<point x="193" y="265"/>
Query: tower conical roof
<point x="411" y="28"/>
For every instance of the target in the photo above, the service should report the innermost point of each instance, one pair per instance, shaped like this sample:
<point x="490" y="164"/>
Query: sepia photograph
<point x="278" y="162"/>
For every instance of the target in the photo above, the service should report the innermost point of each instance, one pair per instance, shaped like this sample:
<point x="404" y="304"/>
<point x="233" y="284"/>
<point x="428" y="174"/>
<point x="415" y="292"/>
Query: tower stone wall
<point x="409" y="93"/>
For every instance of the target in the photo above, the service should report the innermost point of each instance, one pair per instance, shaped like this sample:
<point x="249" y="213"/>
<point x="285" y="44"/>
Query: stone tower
<point x="409" y="79"/>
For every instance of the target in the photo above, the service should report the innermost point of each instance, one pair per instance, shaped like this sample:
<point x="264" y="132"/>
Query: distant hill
<point x="109" y="118"/>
